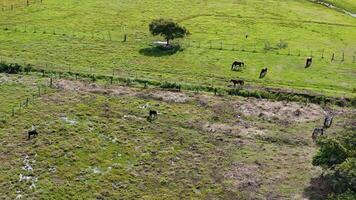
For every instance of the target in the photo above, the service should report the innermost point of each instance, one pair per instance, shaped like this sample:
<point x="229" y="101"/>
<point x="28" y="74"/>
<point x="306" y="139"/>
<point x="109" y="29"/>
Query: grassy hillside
<point x="87" y="36"/>
<point x="95" y="142"/>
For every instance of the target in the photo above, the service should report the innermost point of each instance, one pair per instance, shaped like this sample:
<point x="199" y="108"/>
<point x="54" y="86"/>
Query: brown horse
<point x="238" y="82"/>
<point x="237" y="65"/>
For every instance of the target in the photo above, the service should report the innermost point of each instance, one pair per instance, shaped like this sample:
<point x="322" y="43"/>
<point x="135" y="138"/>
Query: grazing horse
<point x="309" y="62"/>
<point x="263" y="72"/>
<point x="237" y="65"/>
<point x="238" y="82"/>
<point x="153" y="114"/>
<point x="32" y="132"/>
<point x="316" y="132"/>
<point x="328" y="121"/>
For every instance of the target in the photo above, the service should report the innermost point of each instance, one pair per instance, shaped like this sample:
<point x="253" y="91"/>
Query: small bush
<point x="12" y="68"/>
<point x="167" y="85"/>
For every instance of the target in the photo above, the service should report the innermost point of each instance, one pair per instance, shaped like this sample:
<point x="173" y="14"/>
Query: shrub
<point x="331" y="153"/>
<point x="167" y="85"/>
<point x="12" y="68"/>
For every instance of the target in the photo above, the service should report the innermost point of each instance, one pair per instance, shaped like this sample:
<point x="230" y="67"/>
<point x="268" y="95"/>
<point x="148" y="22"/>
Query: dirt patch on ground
<point x="286" y="111"/>
<point x="231" y="129"/>
<point x="167" y="96"/>
<point x="93" y="88"/>
<point x="244" y="177"/>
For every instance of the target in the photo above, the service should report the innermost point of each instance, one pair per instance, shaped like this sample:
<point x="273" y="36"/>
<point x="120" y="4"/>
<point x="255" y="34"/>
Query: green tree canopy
<point x="169" y="29"/>
<point x="331" y="152"/>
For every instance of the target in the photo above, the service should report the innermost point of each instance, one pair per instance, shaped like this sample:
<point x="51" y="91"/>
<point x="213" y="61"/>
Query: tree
<point x="337" y="156"/>
<point x="331" y="153"/>
<point x="169" y="29"/>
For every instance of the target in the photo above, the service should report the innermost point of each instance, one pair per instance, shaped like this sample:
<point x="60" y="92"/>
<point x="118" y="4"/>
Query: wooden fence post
<point x="343" y="57"/>
<point x="322" y="54"/>
<point x="333" y="57"/>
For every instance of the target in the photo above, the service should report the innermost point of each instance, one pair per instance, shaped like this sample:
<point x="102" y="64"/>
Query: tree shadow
<point x="159" y="51"/>
<point x="318" y="189"/>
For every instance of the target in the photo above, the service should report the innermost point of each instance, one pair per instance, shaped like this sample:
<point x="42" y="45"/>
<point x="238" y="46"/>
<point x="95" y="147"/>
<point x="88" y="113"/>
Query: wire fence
<point x="15" y="5"/>
<point x="42" y="89"/>
<point x="256" y="45"/>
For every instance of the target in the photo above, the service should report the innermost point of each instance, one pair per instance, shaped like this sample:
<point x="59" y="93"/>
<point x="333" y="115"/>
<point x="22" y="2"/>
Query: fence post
<point x="50" y="82"/>
<point x="343" y="57"/>
<point x="333" y="57"/>
<point x="322" y="54"/>
<point x="109" y="35"/>
<point x="125" y="38"/>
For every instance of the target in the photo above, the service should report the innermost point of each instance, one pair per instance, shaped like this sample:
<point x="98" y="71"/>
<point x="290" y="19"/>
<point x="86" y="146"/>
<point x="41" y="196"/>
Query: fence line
<point x="261" y="46"/>
<point x="30" y="99"/>
<point x="24" y="4"/>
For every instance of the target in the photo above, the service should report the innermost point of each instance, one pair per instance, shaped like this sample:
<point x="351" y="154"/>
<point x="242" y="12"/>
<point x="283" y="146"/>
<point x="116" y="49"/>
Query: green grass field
<point x="95" y="139"/>
<point x="96" y="143"/>
<point x="81" y="35"/>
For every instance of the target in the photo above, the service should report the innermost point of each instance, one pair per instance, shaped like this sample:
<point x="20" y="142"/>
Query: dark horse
<point x="238" y="82"/>
<point x="263" y="72"/>
<point x="32" y="132"/>
<point x="309" y="62"/>
<point x="328" y="121"/>
<point x="237" y="65"/>
<point x="153" y="114"/>
<point x="316" y="132"/>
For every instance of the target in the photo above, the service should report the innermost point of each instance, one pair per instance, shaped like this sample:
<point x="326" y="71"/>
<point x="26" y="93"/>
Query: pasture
<point x="87" y="36"/>
<point x="95" y="142"/>
<point x="97" y="77"/>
